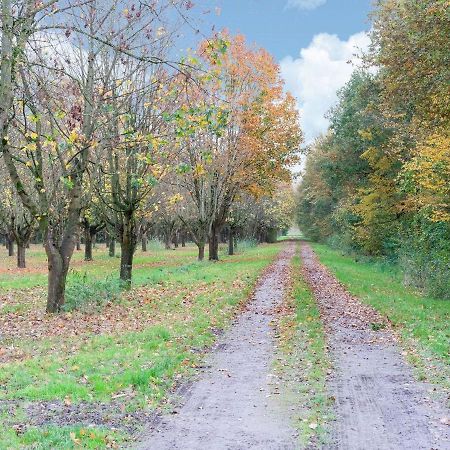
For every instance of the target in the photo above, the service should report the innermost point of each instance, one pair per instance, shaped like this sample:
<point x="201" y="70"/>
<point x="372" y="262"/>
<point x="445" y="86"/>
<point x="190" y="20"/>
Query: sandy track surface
<point x="230" y="407"/>
<point x="379" y="405"/>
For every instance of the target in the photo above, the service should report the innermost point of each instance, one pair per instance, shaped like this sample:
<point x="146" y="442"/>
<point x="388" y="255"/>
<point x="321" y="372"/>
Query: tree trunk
<point x="58" y="266"/>
<point x="128" y="247"/>
<point x="21" y="255"/>
<point x="201" y="251"/>
<point x="10" y="246"/>
<point x="144" y="242"/>
<point x="78" y="243"/>
<point x="167" y="241"/>
<point x="230" y="242"/>
<point x="175" y="240"/>
<point x="214" y="244"/>
<point x="126" y="262"/>
<point x="223" y="237"/>
<point x="87" y="244"/>
<point x="183" y="239"/>
<point x="112" y="247"/>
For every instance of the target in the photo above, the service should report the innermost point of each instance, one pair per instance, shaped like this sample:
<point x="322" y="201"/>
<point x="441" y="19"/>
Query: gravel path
<point x="379" y="405"/>
<point x="230" y="407"/>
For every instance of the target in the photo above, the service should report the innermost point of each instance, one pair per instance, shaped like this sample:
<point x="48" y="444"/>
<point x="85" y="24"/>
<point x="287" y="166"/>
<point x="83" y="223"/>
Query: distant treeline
<point x="378" y="183"/>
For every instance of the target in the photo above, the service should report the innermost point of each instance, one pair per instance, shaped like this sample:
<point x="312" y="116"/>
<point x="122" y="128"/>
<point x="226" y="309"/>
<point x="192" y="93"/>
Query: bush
<point x="245" y="244"/>
<point x="425" y="257"/>
<point x="342" y="242"/>
<point x="427" y="271"/>
<point x="90" y="295"/>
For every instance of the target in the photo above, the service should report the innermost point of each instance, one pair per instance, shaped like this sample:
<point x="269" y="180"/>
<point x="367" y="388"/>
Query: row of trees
<point x="257" y="219"/>
<point x="379" y="182"/>
<point x="101" y="131"/>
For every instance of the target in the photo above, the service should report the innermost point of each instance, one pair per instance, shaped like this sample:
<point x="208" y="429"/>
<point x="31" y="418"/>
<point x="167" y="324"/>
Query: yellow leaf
<point x="199" y="170"/>
<point x="73" y="136"/>
<point x="31" y="147"/>
<point x="74" y="438"/>
<point x="32" y="135"/>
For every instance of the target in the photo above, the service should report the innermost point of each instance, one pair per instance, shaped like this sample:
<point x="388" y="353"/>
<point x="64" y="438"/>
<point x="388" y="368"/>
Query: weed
<point x="377" y="326"/>
<point x="89" y="295"/>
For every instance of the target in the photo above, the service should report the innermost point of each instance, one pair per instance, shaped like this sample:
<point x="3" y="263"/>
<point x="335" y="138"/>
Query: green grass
<point x="102" y="266"/>
<point x="304" y="362"/>
<point x="293" y="233"/>
<point x="52" y="437"/>
<point x="422" y="322"/>
<point x="191" y="301"/>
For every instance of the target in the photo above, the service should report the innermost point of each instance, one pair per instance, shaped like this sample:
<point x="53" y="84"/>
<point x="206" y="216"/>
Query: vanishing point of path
<point x="378" y="403"/>
<point x="230" y="406"/>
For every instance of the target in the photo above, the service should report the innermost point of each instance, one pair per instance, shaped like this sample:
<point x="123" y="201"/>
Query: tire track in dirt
<point x="379" y="405"/>
<point x="230" y="406"/>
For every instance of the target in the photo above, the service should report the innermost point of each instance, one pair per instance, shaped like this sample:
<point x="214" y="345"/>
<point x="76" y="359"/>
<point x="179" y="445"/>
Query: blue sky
<point x="312" y="39"/>
<point x="282" y="29"/>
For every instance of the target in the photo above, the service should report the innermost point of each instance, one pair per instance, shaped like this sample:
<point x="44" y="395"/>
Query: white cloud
<point x="315" y="77"/>
<point x="305" y="4"/>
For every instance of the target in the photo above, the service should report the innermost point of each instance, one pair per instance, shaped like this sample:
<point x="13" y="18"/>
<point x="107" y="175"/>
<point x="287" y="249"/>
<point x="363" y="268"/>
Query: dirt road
<point x="379" y="405"/>
<point x="230" y="407"/>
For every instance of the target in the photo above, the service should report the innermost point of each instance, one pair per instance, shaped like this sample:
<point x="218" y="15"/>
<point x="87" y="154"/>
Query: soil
<point x="379" y="404"/>
<point x="231" y="405"/>
<point x="57" y="413"/>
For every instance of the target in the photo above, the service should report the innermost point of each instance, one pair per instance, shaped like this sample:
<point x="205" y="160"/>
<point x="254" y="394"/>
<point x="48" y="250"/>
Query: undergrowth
<point x="88" y="294"/>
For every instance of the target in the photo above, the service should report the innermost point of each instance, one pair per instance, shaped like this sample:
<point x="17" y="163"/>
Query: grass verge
<point x="303" y="361"/>
<point x="421" y="322"/>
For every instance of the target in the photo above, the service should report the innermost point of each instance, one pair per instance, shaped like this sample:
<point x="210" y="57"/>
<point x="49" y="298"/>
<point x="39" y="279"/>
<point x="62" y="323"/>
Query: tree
<point x="16" y="220"/>
<point x="240" y="136"/>
<point x="91" y="223"/>
<point x="134" y="153"/>
<point x="19" y="22"/>
<point x="58" y="112"/>
<point x="348" y="174"/>
<point x="410" y="46"/>
<point x="378" y="182"/>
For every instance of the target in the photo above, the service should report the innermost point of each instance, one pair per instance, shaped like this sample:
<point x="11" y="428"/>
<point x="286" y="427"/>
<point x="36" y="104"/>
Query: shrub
<point x="425" y="257"/>
<point x="245" y="244"/>
<point x="90" y="295"/>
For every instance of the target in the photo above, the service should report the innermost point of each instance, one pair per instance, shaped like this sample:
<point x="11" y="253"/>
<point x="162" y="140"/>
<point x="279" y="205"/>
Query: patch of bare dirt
<point x="112" y="415"/>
